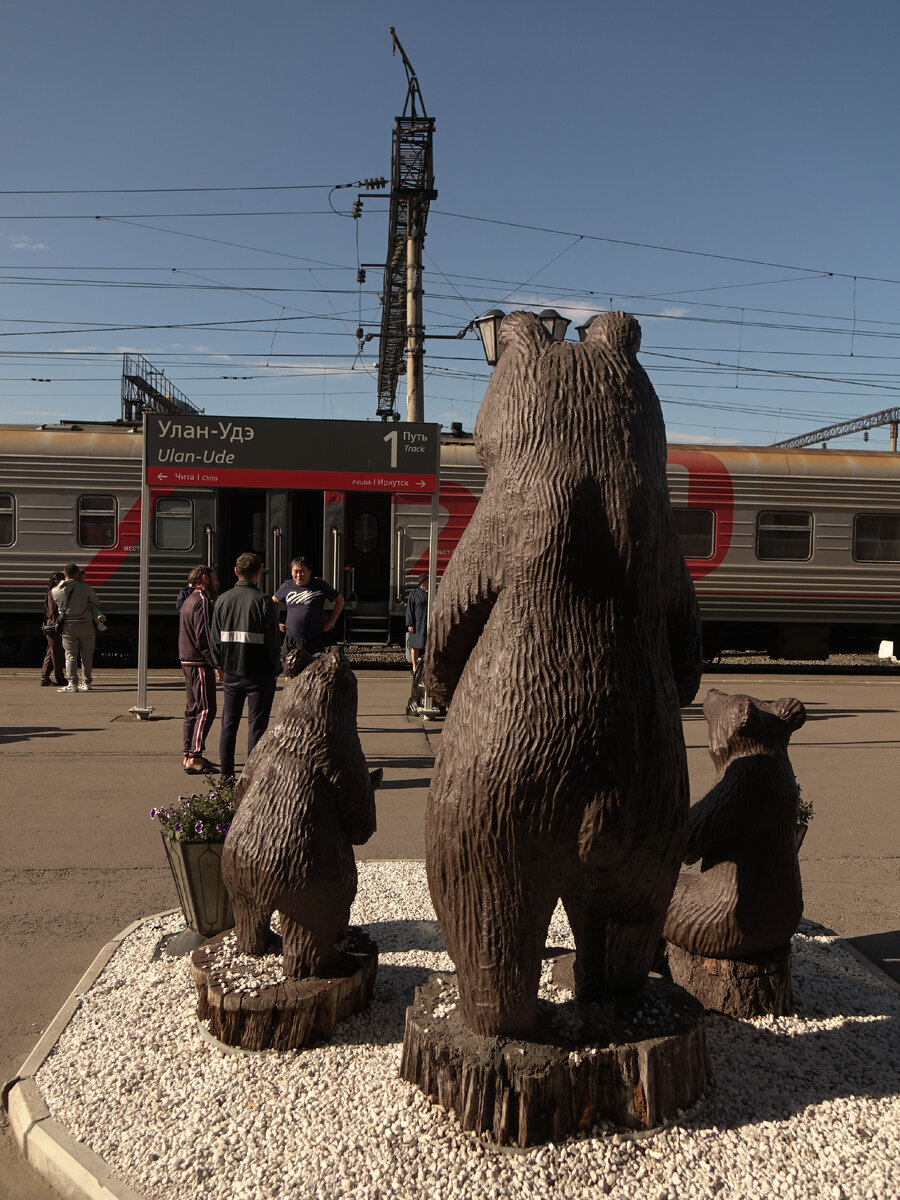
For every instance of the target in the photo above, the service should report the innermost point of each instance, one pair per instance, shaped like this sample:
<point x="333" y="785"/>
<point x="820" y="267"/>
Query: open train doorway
<point x="240" y="528"/>
<point x="368" y="566"/>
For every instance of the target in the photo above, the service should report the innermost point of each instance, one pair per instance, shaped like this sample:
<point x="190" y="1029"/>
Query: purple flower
<point x="153" y="813"/>
<point x="178" y="827"/>
<point x="198" y="828"/>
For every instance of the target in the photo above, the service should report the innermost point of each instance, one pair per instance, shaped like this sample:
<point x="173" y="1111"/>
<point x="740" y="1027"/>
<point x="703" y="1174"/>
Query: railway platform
<point x="80" y="860"/>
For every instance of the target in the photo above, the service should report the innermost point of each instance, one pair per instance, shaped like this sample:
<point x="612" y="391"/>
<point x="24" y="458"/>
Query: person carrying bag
<point x="74" y="599"/>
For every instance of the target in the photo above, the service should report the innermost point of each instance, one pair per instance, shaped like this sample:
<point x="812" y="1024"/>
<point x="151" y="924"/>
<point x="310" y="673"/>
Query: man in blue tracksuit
<point x="246" y="646"/>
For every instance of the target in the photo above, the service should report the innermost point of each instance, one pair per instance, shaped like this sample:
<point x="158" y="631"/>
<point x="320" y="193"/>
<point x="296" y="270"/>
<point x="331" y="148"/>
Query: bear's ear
<point x="521" y="329"/>
<point x="790" y="710"/>
<point x="743" y="713"/>
<point x="617" y="330"/>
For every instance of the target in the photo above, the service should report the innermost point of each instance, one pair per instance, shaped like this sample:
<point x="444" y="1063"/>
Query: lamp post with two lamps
<point x="488" y="328"/>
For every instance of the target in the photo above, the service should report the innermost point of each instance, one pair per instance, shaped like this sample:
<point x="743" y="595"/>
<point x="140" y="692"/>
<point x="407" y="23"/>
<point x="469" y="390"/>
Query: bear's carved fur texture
<point x="565" y="632"/>
<point x="304" y="799"/>
<point x="748" y="898"/>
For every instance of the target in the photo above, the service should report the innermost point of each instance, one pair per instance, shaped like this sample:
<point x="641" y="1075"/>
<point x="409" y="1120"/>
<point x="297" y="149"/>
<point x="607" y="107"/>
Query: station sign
<point x="184" y="450"/>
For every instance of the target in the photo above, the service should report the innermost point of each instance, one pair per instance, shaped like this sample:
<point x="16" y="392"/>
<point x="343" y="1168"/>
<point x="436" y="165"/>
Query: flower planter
<point x="197" y="869"/>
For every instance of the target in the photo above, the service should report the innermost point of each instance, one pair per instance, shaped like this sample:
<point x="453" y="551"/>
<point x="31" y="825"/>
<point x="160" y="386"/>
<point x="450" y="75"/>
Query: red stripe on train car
<point x="709" y="486"/>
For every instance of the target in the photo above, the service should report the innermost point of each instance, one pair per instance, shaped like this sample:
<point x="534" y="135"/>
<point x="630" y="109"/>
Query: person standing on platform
<point x="304" y="596"/>
<point x="197" y="664"/>
<point x="245" y="646"/>
<point x="74" y="598"/>
<point x="55" y="657"/>
<point x="417" y="620"/>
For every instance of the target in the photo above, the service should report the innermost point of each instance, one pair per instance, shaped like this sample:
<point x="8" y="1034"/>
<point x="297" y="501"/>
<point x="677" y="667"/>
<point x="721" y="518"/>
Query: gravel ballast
<point x="802" y="1106"/>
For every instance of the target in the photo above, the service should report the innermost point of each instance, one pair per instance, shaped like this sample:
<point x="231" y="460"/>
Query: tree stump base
<point x="245" y="1009"/>
<point x="585" y="1065"/>
<point x="756" y="986"/>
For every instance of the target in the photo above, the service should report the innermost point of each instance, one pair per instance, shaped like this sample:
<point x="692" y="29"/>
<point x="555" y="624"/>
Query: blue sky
<point x="727" y="172"/>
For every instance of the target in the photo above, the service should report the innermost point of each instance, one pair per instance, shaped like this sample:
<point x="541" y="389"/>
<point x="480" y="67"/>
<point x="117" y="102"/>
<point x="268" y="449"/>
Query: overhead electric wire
<point x="594" y="237"/>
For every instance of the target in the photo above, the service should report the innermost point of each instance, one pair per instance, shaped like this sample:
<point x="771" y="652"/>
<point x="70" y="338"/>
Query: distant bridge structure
<point x="888" y="416"/>
<point x="146" y="389"/>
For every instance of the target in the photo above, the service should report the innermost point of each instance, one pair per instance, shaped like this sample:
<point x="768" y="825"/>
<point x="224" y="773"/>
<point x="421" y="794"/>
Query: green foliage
<point x="804" y="807"/>
<point x="199" y="818"/>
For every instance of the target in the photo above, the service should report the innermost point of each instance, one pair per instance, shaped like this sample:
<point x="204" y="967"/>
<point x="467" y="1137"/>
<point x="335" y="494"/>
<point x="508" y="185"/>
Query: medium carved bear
<point x="304" y="798"/>
<point x="747" y="899"/>
<point x="565" y="631"/>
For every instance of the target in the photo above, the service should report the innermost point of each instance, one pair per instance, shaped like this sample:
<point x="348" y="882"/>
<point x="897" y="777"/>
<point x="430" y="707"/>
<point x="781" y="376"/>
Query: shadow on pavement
<point x="883" y="949"/>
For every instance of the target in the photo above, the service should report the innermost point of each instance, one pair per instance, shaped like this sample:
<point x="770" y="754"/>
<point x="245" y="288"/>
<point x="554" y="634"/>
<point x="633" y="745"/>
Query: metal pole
<point x="893" y="437"/>
<point x="141" y="710"/>
<point x="415" y="403"/>
<point x="427" y="708"/>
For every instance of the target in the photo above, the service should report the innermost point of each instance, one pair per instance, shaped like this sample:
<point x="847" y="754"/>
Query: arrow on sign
<point x="421" y="483"/>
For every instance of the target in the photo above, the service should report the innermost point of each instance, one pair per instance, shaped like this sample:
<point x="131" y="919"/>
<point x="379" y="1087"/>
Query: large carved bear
<point x="748" y="897"/>
<point x="304" y="798"/>
<point x="565" y="631"/>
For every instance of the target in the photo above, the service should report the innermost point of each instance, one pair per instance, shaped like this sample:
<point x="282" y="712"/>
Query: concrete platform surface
<point x="80" y="859"/>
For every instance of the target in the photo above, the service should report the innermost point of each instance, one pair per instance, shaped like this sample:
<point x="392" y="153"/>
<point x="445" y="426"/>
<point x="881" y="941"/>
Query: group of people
<point x="237" y="641"/>
<point x="71" y="618"/>
<point x="234" y="640"/>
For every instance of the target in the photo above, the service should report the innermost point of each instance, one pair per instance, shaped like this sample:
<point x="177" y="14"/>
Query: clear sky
<point x="728" y="172"/>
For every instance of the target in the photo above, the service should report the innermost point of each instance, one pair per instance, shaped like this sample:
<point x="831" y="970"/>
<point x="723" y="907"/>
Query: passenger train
<point x="792" y="552"/>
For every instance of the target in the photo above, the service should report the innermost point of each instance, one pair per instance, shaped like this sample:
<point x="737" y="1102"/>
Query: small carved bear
<point x="565" y="631"/>
<point x="304" y="799"/>
<point x="747" y="899"/>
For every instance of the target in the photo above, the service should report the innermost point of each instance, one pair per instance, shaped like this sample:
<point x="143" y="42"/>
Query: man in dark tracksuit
<point x="198" y="667"/>
<point x="246" y="646"/>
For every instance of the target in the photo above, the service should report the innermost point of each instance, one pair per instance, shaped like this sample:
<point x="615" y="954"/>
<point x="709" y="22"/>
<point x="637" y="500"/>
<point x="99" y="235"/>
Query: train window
<point x="174" y="523"/>
<point x="786" y="535"/>
<point x="876" y="537"/>
<point x="696" y="529"/>
<point x="97" y="520"/>
<point x="365" y="533"/>
<point x="7" y="518"/>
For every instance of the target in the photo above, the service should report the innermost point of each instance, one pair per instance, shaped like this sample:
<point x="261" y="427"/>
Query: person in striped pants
<point x="199" y="670"/>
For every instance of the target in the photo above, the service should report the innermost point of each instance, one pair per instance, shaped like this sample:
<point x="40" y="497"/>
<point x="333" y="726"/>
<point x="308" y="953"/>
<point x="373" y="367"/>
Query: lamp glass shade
<point x="488" y="328"/>
<point x="581" y="330"/>
<point x="555" y="325"/>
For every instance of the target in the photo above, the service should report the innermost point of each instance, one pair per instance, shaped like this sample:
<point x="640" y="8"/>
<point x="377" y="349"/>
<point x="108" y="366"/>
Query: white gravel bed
<point x="807" y="1106"/>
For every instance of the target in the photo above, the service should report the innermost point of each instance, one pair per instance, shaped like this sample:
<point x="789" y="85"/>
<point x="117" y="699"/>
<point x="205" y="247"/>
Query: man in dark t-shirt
<point x="304" y="596"/>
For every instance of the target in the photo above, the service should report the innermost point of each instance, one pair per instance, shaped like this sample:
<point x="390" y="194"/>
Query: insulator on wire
<point x="360" y="333"/>
<point x="372" y="184"/>
<point x="356" y="210"/>
<point x="360" y="275"/>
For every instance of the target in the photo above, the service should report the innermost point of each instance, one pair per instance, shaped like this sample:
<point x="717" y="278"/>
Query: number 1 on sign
<point x="392" y="438"/>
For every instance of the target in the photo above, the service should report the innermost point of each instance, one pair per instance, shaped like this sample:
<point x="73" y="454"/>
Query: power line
<point x="593" y="237"/>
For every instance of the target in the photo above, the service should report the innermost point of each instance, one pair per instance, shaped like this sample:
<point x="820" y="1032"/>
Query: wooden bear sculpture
<point x="747" y="899"/>
<point x="565" y="631"/>
<point x="304" y="799"/>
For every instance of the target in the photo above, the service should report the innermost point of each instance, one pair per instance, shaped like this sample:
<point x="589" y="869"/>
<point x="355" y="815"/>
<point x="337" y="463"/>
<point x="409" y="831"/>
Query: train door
<point x="368" y="559"/>
<point x="304" y="530"/>
<point x="240" y="527"/>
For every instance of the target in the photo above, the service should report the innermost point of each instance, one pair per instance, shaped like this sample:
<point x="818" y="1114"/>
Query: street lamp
<point x="488" y="328"/>
<point x="581" y="330"/>
<point x="555" y="325"/>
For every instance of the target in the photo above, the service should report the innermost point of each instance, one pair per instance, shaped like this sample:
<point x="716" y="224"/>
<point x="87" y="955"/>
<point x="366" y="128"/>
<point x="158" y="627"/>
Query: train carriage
<point x="793" y="552"/>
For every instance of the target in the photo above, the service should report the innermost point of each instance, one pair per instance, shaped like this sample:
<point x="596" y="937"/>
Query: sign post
<point x="140" y="710"/>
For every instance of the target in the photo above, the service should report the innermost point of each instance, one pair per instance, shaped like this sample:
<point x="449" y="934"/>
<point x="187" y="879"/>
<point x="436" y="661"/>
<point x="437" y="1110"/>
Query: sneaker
<point x="70" y="687"/>
<point x="84" y="686"/>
